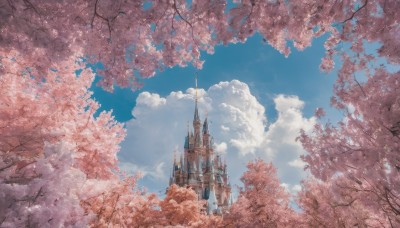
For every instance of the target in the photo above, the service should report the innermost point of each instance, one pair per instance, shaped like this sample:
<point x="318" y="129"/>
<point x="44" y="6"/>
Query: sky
<point x="256" y="100"/>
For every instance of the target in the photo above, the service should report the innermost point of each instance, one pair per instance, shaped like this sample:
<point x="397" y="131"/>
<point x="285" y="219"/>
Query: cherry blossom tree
<point x="364" y="146"/>
<point x="50" y="136"/>
<point x="262" y="202"/>
<point x="118" y="203"/>
<point x="332" y="204"/>
<point x="134" y="39"/>
<point x="58" y="164"/>
<point x="182" y="207"/>
<point x="48" y="197"/>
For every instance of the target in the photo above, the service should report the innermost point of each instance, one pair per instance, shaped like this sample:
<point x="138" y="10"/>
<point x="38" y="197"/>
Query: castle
<point x="202" y="170"/>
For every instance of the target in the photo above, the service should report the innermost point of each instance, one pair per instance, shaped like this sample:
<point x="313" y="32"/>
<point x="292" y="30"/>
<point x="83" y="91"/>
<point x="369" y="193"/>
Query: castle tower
<point x="199" y="169"/>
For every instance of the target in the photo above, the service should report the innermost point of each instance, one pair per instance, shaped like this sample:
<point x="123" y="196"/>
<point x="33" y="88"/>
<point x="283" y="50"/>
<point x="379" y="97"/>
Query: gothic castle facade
<point x="201" y="169"/>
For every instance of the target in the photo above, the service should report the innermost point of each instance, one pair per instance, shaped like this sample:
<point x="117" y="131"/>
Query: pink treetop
<point x="58" y="164"/>
<point x="333" y="204"/>
<point x="60" y="108"/>
<point x="262" y="202"/>
<point x="181" y="206"/>
<point x="364" y="146"/>
<point x="43" y="192"/>
<point x="136" y="38"/>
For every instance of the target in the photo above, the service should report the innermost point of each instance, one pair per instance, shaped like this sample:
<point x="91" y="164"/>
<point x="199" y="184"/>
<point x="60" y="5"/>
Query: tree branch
<point x="344" y="204"/>
<point x="179" y="14"/>
<point x="355" y="12"/>
<point x="6" y="167"/>
<point x="395" y="210"/>
<point x="29" y="5"/>
<point x="362" y="90"/>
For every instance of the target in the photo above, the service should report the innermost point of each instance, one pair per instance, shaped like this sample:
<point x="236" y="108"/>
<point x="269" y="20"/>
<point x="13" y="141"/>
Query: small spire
<point x="174" y="156"/>
<point x="205" y="126"/>
<point x="186" y="146"/>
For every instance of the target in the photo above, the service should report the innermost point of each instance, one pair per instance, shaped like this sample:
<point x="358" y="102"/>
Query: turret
<point x="205" y="127"/>
<point x="206" y="135"/>
<point x="186" y="146"/>
<point x="181" y="162"/>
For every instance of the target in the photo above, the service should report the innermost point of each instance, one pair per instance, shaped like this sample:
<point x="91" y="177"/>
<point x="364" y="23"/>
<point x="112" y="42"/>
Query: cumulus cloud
<point x="297" y="163"/>
<point x="280" y="145"/>
<point x="237" y="122"/>
<point x="150" y="99"/>
<point x="221" y="148"/>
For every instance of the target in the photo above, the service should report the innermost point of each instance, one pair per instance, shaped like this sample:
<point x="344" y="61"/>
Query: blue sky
<point x="264" y="69"/>
<point x="271" y="79"/>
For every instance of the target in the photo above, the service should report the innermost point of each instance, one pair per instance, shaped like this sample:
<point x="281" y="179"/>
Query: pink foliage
<point x="136" y="38"/>
<point x="262" y="202"/>
<point x="43" y="193"/>
<point x="365" y="145"/>
<point x="181" y="206"/>
<point x="319" y="112"/>
<point x="334" y="204"/>
<point x="58" y="164"/>
<point x="116" y="203"/>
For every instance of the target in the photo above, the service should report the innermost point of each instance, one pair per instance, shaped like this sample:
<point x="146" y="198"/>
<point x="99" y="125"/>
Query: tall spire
<point x="198" y="167"/>
<point x="196" y="111"/>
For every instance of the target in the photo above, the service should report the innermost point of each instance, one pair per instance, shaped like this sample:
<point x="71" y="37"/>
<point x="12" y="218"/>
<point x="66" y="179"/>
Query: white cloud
<point x="284" y="103"/>
<point x="150" y="100"/>
<point x="286" y="186"/>
<point x="293" y="189"/>
<point x="239" y="114"/>
<point x="296" y="188"/>
<point x="221" y="148"/>
<point x="286" y="128"/>
<point x="237" y="122"/>
<point x="155" y="172"/>
<point x="298" y="163"/>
